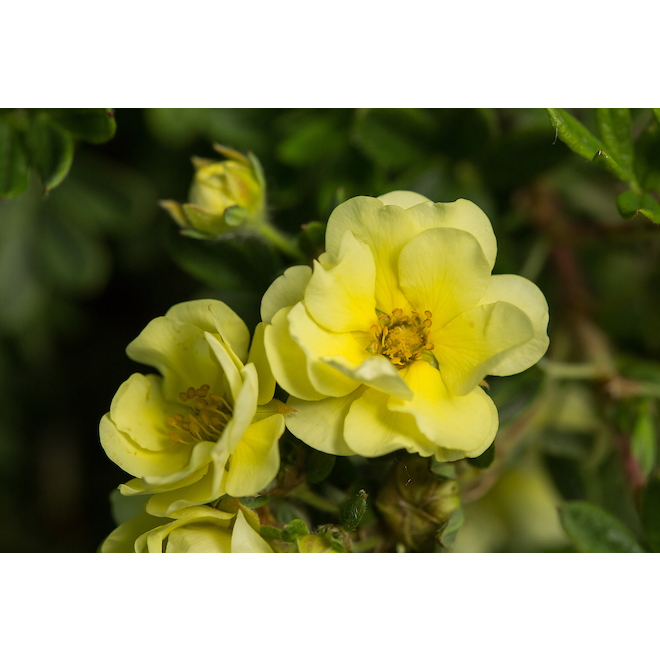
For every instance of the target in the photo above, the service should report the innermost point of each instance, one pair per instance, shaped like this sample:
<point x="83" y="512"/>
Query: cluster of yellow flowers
<point x="382" y="345"/>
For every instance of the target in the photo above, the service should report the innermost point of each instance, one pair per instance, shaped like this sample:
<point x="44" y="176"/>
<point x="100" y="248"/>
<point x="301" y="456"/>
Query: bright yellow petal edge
<point x="194" y="529"/>
<point x="404" y="374"/>
<point x="206" y="426"/>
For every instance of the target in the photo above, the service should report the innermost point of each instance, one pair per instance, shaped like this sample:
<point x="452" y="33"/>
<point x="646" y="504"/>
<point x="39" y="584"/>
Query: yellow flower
<point x="194" y="529"/>
<point x="383" y="346"/>
<point x="223" y="196"/>
<point x="207" y="426"/>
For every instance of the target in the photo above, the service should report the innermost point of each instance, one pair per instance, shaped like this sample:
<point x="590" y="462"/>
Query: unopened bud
<point x="415" y="503"/>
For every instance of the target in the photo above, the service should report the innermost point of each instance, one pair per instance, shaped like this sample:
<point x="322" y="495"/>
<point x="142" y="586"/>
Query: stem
<point x="282" y="241"/>
<point x="303" y="494"/>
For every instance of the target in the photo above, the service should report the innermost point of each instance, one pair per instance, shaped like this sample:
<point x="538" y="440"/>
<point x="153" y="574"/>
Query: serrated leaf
<point x="90" y="124"/>
<point x="614" y="125"/>
<point x="51" y="151"/>
<point x="13" y="162"/>
<point x="484" y="460"/>
<point x="643" y="440"/>
<point x="630" y="203"/>
<point x="593" y="529"/>
<point x="651" y="513"/>
<point x="579" y="139"/>
<point x="352" y="511"/>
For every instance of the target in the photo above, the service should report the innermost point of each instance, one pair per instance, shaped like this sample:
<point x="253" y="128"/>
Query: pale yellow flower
<point x="205" y="427"/>
<point x="383" y="346"/>
<point x="194" y="529"/>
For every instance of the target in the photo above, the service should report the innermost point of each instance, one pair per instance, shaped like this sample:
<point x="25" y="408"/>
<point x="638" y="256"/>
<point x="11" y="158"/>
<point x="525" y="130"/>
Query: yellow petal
<point x="320" y="424"/>
<point x="285" y="291"/>
<point x="474" y="343"/>
<point x="245" y="406"/>
<point x="257" y="356"/>
<point x="123" y="538"/>
<point x="139" y="410"/>
<point x="214" y="316"/>
<point x="180" y="352"/>
<point x="245" y="539"/>
<point x="136" y="460"/>
<point x="461" y="423"/>
<point x="228" y="371"/>
<point x="201" y="492"/>
<point x="341" y="298"/>
<point x="372" y="429"/>
<point x="255" y="461"/>
<point x="461" y="214"/>
<point x="375" y="371"/>
<point x="199" y="537"/>
<point x="318" y="343"/>
<point x="528" y="297"/>
<point x="286" y="358"/>
<point x="403" y="198"/>
<point x="443" y="271"/>
<point x="386" y="229"/>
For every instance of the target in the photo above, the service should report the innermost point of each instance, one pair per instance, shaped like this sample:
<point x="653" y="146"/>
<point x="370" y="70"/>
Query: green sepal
<point x="352" y="511"/>
<point x="593" y="529"/>
<point x="90" y="124"/>
<point x="629" y="203"/>
<point x="270" y="533"/>
<point x="13" y="162"/>
<point x="51" y="151"/>
<point x="294" y="529"/>
<point x="443" y="470"/>
<point x="258" y="172"/>
<point x="254" y="502"/>
<point x="651" y="513"/>
<point x="450" y="529"/>
<point x="484" y="460"/>
<point x="318" y="466"/>
<point x="236" y="216"/>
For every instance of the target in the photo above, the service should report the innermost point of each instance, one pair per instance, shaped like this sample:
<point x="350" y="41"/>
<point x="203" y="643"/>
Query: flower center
<point x="401" y="338"/>
<point x="210" y="415"/>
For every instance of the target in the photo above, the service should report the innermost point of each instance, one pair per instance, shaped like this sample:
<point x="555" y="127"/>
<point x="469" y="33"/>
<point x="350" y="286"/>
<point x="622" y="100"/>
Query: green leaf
<point x="614" y="125"/>
<point x="484" y="460"/>
<point x="592" y="529"/>
<point x="647" y="158"/>
<point x="630" y="203"/>
<point x="13" y="162"/>
<point x="294" y="529"/>
<point x="448" y="534"/>
<point x="643" y="440"/>
<point x="651" y="513"/>
<point x="352" y="511"/>
<point x="51" y="151"/>
<point x="580" y="140"/>
<point x="318" y="466"/>
<point x="656" y="112"/>
<point x="574" y="134"/>
<point x="89" y="124"/>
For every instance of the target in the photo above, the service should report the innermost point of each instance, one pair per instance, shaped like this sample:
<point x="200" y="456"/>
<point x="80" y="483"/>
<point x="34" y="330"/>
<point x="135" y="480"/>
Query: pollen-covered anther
<point x="210" y="415"/>
<point x="403" y="337"/>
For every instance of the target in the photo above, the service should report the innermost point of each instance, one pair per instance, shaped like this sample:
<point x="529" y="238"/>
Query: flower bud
<point x="224" y="196"/>
<point x="415" y="503"/>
